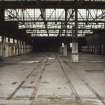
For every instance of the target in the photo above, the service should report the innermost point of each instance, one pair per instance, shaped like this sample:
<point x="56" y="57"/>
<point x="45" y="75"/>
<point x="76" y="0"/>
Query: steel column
<point x="75" y="57"/>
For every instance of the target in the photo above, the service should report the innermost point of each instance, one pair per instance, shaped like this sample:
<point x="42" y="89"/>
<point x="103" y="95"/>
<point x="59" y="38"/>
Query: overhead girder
<point x="64" y="25"/>
<point x="62" y="21"/>
<point x="56" y="4"/>
<point x="84" y="20"/>
<point x="43" y="15"/>
<point x="53" y="4"/>
<point x="96" y="19"/>
<point x="10" y="29"/>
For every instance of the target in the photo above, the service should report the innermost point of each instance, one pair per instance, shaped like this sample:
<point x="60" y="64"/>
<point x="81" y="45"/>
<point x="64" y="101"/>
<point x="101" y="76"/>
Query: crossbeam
<point x="81" y="21"/>
<point x="53" y="4"/>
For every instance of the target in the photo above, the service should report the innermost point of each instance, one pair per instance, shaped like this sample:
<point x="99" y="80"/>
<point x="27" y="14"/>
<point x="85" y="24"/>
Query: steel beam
<point x="58" y="28"/>
<point x="43" y="15"/>
<point x="53" y="4"/>
<point x="75" y="55"/>
<point x="80" y="21"/>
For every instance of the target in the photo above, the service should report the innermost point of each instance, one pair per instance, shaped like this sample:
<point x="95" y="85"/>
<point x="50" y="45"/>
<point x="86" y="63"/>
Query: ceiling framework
<point x="68" y="4"/>
<point x="56" y="18"/>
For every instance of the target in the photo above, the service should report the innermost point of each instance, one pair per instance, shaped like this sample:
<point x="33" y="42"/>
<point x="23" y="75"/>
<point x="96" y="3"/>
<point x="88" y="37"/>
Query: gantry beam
<point x="53" y="4"/>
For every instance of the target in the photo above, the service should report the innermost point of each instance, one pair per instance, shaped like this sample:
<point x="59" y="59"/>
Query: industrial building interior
<point x="52" y="52"/>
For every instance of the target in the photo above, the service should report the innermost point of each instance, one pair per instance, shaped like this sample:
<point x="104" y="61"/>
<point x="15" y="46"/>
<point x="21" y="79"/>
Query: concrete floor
<point x="50" y="79"/>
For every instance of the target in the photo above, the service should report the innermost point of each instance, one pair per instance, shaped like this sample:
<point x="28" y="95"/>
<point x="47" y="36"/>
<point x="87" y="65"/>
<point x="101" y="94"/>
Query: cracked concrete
<point x="50" y="79"/>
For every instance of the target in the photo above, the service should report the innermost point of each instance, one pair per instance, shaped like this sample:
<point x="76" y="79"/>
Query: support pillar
<point x="0" y="46"/>
<point x="2" y="42"/>
<point x="24" y="48"/>
<point x="2" y="39"/>
<point x="65" y="44"/>
<point x="60" y="49"/>
<point x="21" y="48"/>
<point x="65" y="50"/>
<point x="6" y="47"/>
<point x="75" y="56"/>
<point x="3" y="46"/>
<point x="0" y="49"/>
<point x="18" y="47"/>
<point x="13" y="47"/>
<point x="9" y="49"/>
<point x="102" y="49"/>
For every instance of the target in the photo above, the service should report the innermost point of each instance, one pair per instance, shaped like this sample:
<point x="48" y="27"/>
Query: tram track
<point x="26" y="78"/>
<point x="34" y="94"/>
<point x="71" y="86"/>
<point x="87" y="84"/>
<point x="39" y="80"/>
